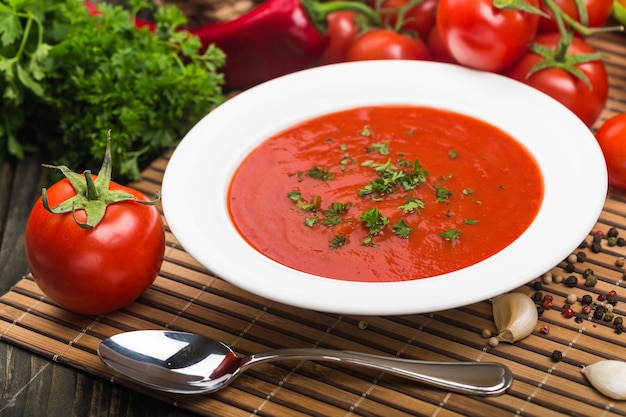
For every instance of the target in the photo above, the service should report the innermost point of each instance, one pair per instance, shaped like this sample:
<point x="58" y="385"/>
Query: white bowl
<point x="198" y="175"/>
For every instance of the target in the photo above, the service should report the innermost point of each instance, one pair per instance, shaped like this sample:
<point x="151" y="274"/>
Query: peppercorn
<point x="547" y="304"/>
<point x="587" y="309"/>
<point x="619" y="329"/>
<point x="556" y="356"/>
<point x="568" y="312"/>
<point x="582" y="244"/>
<point x="571" y="258"/>
<point x="598" y="313"/>
<point x="612" y="241"/>
<point x="538" y="296"/>
<point x="596" y="247"/>
<point x="610" y="293"/>
<point x="591" y="281"/>
<point x="493" y="341"/>
<point x="619" y="261"/>
<point x="621" y="242"/>
<point x="537" y="285"/>
<point x="547" y="278"/>
<point x="581" y="257"/>
<point x="545" y="329"/>
<point x="540" y="310"/>
<point x="608" y="316"/>
<point x="557" y="279"/>
<point x="571" y="281"/>
<point x="599" y="234"/>
<point x="486" y="333"/>
<point x="586" y="299"/>
<point x="571" y="299"/>
<point x="569" y="268"/>
<point x="618" y="321"/>
<point x="588" y="272"/>
<point x="578" y="319"/>
<point x="613" y="232"/>
<point x="612" y="299"/>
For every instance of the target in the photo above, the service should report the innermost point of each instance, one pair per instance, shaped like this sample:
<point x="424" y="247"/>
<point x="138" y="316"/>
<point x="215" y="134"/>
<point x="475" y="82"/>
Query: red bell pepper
<point x="275" y="38"/>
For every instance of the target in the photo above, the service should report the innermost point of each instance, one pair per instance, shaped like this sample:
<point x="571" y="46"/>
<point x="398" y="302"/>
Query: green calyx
<point x="92" y="196"/>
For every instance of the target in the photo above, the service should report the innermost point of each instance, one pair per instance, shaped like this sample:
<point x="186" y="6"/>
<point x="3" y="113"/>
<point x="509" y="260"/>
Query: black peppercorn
<point x="586" y="299"/>
<point x="538" y="296"/>
<point x="621" y="241"/>
<point x="596" y="247"/>
<point x="537" y="285"/>
<point x="588" y="272"/>
<point x="571" y="281"/>
<point x="598" y="313"/>
<point x="556" y="356"/>
<point x="596" y="238"/>
<point x="618" y="321"/>
<point x="569" y="268"/>
<point x="582" y="245"/>
<point x="612" y="299"/>
<point x="581" y="256"/>
<point x="613" y="232"/>
<point x="619" y="329"/>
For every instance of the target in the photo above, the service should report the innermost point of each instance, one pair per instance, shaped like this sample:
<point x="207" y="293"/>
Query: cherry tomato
<point x="94" y="270"/>
<point x="386" y="44"/>
<point x="587" y="103"/>
<point x="419" y="19"/>
<point x="598" y="12"/>
<point x="480" y="36"/>
<point x="342" y="29"/>
<point x="611" y="137"/>
<point x="438" y="51"/>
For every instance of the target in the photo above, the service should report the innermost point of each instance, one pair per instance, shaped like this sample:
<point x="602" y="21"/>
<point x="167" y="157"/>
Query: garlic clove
<point x="608" y="377"/>
<point x="515" y="316"/>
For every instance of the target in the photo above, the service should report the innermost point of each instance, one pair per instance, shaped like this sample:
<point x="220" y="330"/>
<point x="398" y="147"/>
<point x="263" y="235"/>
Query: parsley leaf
<point x="401" y="229"/>
<point x="450" y="234"/>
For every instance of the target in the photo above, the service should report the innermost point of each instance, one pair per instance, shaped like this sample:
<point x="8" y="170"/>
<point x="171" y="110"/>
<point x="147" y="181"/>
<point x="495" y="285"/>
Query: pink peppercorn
<point x="547" y="304"/>
<point x="568" y="312"/>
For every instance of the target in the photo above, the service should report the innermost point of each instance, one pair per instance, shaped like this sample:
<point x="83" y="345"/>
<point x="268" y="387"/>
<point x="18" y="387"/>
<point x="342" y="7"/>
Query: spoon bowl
<point x="187" y="363"/>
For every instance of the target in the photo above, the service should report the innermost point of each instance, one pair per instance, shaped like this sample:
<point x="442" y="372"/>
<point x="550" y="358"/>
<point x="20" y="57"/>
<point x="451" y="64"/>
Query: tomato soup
<point x="385" y="193"/>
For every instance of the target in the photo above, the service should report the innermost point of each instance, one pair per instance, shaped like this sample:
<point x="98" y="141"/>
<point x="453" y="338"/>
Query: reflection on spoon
<point x="187" y="363"/>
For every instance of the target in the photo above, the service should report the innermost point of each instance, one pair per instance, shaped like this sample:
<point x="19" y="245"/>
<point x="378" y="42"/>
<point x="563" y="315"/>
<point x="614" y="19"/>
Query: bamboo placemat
<point x="187" y="297"/>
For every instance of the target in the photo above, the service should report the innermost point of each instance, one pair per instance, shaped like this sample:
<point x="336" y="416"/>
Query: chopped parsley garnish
<point x="323" y="173"/>
<point x="374" y="220"/>
<point x="468" y="191"/>
<point x="450" y="234"/>
<point x="337" y="241"/>
<point x="381" y="148"/>
<point x="412" y="205"/>
<point x="453" y="154"/>
<point x="442" y="193"/>
<point x="401" y="229"/>
<point x="470" y="221"/>
<point x="366" y="131"/>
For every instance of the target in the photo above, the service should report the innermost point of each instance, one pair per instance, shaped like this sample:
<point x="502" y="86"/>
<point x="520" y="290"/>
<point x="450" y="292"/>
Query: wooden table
<point x="48" y="364"/>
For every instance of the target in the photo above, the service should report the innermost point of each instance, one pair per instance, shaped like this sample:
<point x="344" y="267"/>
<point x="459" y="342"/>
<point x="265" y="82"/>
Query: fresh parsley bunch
<point x="67" y="77"/>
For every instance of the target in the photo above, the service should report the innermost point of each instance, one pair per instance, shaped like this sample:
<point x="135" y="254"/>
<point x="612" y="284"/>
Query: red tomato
<point x="386" y="44"/>
<point x="342" y="29"/>
<point x="587" y="103"/>
<point x="612" y="139"/>
<point x="438" y="51"/>
<point x="96" y="270"/>
<point x="419" y="19"/>
<point x="598" y="12"/>
<point x="478" y="35"/>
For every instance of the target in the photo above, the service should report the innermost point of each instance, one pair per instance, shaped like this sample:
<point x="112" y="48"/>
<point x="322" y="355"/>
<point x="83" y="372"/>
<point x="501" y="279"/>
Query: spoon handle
<point x="479" y="378"/>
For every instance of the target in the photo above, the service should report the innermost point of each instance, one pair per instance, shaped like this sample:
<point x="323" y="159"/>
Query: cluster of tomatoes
<point x="542" y="43"/>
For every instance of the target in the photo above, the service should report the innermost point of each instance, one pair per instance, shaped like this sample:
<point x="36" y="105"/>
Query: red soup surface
<point x="385" y="193"/>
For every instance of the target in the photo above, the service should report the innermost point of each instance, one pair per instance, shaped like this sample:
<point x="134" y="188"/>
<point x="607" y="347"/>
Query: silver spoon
<point x="187" y="363"/>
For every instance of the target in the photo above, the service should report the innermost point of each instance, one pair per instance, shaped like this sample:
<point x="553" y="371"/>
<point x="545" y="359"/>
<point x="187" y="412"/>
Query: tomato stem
<point x="91" y="192"/>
